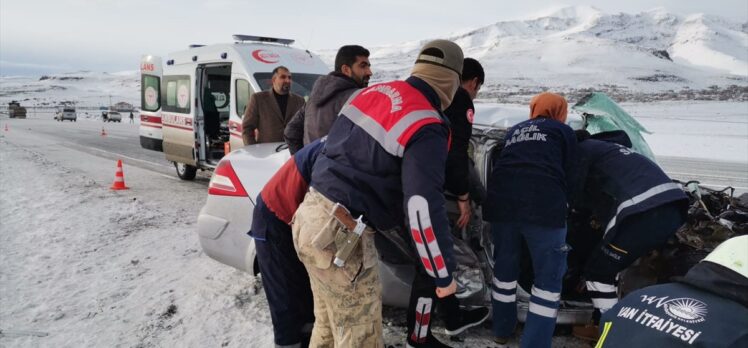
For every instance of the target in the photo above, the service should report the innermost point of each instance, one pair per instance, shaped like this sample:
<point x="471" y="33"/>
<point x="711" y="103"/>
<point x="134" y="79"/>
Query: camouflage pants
<point x="348" y="299"/>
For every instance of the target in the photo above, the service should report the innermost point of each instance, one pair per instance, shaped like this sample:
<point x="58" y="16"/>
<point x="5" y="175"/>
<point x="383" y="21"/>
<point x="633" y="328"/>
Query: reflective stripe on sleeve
<point x="424" y="237"/>
<point x="639" y="199"/>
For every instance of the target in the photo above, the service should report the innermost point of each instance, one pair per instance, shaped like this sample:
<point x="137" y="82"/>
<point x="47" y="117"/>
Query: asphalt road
<point x="121" y="141"/>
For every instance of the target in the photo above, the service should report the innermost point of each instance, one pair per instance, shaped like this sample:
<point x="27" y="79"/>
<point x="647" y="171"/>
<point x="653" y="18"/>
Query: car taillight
<point x="225" y="182"/>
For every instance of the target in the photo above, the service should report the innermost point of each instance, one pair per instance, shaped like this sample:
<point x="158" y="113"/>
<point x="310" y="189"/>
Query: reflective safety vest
<point x="381" y="113"/>
<point x="386" y="152"/>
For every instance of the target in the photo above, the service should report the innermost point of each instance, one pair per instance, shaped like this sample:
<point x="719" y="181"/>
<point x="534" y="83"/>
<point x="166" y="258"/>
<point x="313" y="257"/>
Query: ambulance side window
<point x="150" y="97"/>
<point x="243" y="90"/>
<point x="177" y="94"/>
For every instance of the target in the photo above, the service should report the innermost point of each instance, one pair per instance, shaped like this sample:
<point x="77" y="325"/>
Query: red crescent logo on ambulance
<point x="267" y="57"/>
<point x="470" y="115"/>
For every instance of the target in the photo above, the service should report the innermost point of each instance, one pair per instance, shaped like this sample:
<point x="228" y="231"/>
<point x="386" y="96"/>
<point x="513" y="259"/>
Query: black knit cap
<point x="442" y="53"/>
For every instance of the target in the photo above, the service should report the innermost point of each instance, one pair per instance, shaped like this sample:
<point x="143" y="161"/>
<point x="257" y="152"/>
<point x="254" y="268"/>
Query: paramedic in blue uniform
<point x="639" y="206"/>
<point x="284" y="278"/>
<point x="527" y="198"/>
<point x="708" y="308"/>
<point x="384" y="160"/>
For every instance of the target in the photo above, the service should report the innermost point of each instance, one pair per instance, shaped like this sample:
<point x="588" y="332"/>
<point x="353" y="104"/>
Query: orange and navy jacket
<point x="385" y="159"/>
<point x="286" y="189"/>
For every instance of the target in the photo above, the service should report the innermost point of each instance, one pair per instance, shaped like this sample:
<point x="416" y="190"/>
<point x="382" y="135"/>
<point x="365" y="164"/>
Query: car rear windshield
<point x="301" y="84"/>
<point x="68" y="110"/>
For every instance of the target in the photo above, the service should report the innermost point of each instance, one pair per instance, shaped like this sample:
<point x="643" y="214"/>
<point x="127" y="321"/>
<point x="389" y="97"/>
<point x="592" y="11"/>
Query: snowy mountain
<point x="653" y="55"/>
<point x="580" y="47"/>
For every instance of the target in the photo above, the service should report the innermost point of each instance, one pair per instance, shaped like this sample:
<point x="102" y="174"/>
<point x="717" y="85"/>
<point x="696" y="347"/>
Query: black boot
<point x="467" y="318"/>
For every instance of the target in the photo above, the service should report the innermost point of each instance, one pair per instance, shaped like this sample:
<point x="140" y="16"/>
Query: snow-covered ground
<point x="84" y="266"/>
<point x="704" y="130"/>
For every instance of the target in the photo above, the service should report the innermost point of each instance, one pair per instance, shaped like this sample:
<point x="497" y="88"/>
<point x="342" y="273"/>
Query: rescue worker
<point x="636" y="202"/>
<point x="384" y="159"/>
<point x="268" y="112"/>
<point x="706" y="308"/>
<point x="460" y="114"/>
<point x="285" y="281"/>
<point x="329" y="93"/>
<point x="527" y="198"/>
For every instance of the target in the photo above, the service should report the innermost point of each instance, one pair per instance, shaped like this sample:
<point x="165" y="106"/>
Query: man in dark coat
<point x="706" y="308"/>
<point x="384" y="160"/>
<point x="461" y="113"/>
<point x="268" y="112"/>
<point x="284" y="278"/>
<point x="329" y="93"/>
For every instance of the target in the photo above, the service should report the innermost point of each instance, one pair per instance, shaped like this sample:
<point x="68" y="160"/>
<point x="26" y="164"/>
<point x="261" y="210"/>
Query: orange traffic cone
<point x="119" y="178"/>
<point x="103" y="132"/>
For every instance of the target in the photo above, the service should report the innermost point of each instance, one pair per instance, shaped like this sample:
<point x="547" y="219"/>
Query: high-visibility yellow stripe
<point x="606" y="328"/>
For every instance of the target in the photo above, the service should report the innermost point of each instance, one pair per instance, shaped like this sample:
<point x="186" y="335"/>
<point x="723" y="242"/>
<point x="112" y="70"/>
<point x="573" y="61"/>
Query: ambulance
<point x="204" y="90"/>
<point x="150" y="103"/>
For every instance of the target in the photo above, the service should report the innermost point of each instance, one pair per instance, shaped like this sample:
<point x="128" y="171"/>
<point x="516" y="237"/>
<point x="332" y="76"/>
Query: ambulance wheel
<point x="185" y="171"/>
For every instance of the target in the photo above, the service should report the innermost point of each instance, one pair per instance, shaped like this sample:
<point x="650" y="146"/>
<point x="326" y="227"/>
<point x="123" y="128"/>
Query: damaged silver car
<point x="225" y="219"/>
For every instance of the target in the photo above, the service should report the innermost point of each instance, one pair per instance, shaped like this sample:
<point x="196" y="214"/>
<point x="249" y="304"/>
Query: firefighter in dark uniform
<point x="527" y="199"/>
<point x="707" y="308"/>
<point x="637" y="204"/>
<point x="284" y="278"/>
<point x="384" y="161"/>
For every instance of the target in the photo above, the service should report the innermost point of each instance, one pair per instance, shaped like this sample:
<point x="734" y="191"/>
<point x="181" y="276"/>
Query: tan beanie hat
<point x="439" y="64"/>
<point x="442" y="52"/>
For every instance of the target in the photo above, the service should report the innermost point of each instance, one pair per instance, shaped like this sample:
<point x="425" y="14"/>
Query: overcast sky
<point x="49" y="36"/>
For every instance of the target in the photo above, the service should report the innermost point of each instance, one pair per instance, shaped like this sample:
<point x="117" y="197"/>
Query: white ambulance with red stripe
<point x="205" y="89"/>
<point x="150" y="103"/>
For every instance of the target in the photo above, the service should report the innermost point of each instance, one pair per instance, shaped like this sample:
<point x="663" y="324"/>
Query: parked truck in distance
<point x="15" y="110"/>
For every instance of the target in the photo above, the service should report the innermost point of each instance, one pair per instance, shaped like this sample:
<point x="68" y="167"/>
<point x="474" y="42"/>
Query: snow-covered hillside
<point x="575" y="48"/>
<point x="653" y="55"/>
<point x="83" y="88"/>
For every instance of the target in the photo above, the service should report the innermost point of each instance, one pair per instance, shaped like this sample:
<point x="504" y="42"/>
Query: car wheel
<point x="185" y="171"/>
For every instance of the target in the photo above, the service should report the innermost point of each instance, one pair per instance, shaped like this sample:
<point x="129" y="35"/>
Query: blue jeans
<point x="548" y="250"/>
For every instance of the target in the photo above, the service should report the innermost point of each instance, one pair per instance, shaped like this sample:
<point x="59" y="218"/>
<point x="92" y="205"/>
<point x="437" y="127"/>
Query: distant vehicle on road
<point x="66" y="113"/>
<point x="113" y="116"/>
<point x="15" y="110"/>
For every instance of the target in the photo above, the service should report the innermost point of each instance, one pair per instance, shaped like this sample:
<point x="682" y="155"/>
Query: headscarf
<point x="549" y="105"/>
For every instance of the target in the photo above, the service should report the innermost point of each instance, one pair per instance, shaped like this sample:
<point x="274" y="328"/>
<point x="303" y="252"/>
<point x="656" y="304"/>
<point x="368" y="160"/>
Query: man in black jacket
<point x="460" y="114"/>
<point x="329" y="93"/>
